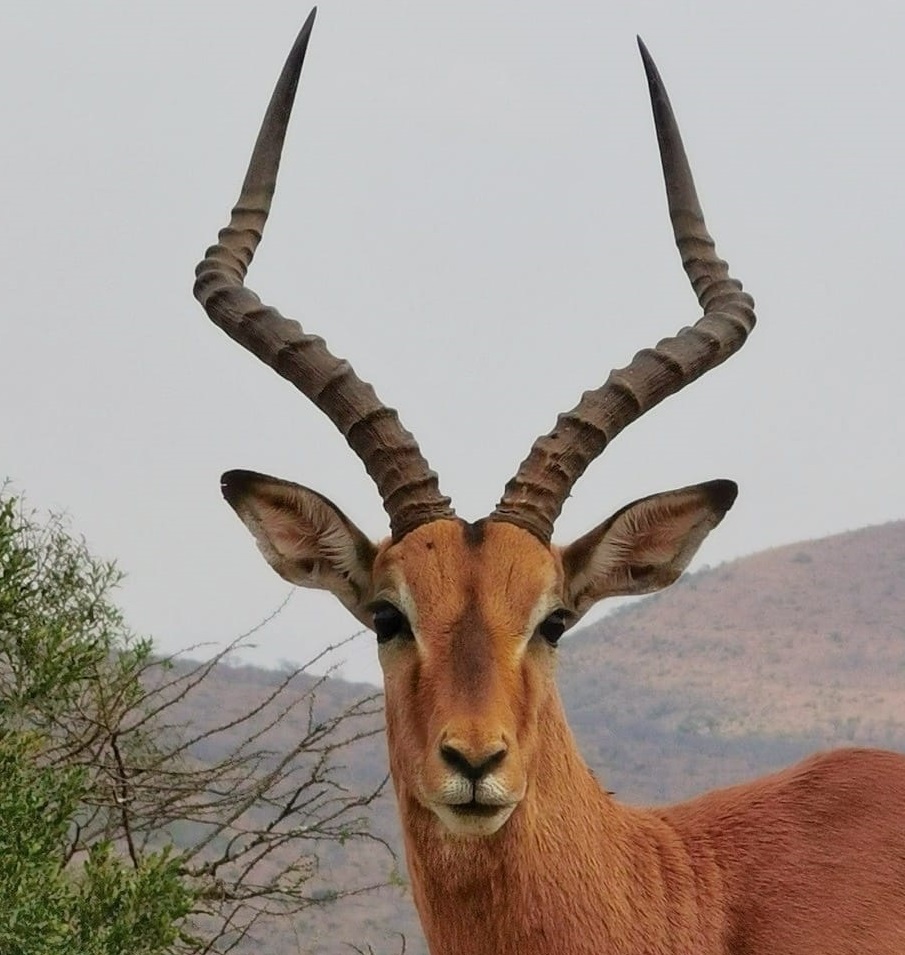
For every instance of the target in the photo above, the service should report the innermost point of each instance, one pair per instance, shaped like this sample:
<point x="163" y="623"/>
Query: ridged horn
<point x="409" y="488"/>
<point x="534" y="498"/>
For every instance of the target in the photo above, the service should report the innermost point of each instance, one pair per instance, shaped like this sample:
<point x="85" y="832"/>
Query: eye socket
<point x="553" y="627"/>
<point x="390" y="622"/>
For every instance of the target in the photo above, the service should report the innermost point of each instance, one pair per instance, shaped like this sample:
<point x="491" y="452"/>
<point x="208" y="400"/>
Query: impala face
<point x="467" y="619"/>
<point x="467" y="616"/>
<point x="513" y="847"/>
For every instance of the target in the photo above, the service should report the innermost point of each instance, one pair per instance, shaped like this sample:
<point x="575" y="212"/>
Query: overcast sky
<point x="470" y="210"/>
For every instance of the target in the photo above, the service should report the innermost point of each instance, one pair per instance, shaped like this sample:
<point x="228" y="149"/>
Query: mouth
<point x="472" y="819"/>
<point x="475" y="808"/>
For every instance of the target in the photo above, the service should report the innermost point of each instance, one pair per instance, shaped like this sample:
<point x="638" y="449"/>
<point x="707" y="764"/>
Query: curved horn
<point x="535" y="496"/>
<point x="409" y="489"/>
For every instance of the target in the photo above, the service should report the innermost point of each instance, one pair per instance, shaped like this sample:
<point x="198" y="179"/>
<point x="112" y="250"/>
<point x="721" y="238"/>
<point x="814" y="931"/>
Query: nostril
<point x="455" y="759"/>
<point x="472" y="766"/>
<point x="494" y="760"/>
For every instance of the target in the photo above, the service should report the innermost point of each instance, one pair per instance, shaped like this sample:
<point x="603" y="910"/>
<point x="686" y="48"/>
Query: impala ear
<point x="645" y="546"/>
<point x="304" y="537"/>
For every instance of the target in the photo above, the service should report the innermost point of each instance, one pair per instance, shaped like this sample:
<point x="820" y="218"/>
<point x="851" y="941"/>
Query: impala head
<point x="467" y="615"/>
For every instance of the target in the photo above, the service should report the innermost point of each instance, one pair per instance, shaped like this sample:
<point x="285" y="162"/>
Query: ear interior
<point x="645" y="546"/>
<point x="304" y="536"/>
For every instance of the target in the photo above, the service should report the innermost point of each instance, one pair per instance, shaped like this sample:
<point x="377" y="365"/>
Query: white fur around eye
<point x="541" y="610"/>
<point x="399" y="595"/>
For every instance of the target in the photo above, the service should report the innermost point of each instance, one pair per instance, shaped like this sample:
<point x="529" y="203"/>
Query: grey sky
<point x="470" y="209"/>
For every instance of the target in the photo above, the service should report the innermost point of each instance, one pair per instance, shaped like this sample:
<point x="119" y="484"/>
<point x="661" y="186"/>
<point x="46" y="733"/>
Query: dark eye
<point x="553" y="627"/>
<point x="389" y="622"/>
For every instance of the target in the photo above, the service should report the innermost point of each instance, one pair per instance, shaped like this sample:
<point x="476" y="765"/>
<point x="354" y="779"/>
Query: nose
<point x="471" y="763"/>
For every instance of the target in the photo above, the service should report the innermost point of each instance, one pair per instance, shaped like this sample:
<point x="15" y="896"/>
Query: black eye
<point x="389" y="622"/>
<point x="553" y="627"/>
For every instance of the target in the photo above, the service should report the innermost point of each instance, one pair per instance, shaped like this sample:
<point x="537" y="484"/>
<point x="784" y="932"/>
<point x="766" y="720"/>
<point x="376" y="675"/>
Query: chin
<point x="461" y="823"/>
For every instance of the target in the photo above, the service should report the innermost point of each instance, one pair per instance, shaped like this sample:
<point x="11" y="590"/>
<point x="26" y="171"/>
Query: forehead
<point x="447" y="567"/>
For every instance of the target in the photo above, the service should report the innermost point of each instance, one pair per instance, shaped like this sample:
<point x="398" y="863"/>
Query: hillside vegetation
<point x="807" y="638"/>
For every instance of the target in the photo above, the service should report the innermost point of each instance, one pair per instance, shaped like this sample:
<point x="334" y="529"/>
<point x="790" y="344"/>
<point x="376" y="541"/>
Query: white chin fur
<point x="471" y="826"/>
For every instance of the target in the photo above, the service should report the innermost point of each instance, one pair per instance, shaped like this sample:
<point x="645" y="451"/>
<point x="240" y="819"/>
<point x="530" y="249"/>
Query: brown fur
<point x="513" y="847"/>
<point x="809" y="861"/>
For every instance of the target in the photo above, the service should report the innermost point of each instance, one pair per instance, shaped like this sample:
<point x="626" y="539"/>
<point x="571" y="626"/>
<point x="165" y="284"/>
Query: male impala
<point x="513" y="847"/>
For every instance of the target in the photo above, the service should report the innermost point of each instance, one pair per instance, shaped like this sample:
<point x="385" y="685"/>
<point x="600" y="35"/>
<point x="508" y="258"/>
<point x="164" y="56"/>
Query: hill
<point x="732" y="672"/>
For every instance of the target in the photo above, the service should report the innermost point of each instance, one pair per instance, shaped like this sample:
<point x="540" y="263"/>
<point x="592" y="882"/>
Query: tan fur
<point x="513" y="847"/>
<point x="810" y="861"/>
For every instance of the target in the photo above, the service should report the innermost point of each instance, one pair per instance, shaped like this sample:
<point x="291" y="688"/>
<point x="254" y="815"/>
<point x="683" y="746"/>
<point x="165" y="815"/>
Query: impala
<point x="512" y="845"/>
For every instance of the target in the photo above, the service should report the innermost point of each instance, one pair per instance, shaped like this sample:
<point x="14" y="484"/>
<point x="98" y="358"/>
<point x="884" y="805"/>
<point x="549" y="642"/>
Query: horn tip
<point x="307" y="27"/>
<point x="650" y="68"/>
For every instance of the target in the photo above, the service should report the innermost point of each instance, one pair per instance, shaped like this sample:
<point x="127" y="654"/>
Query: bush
<point x="116" y="834"/>
<point x="63" y="650"/>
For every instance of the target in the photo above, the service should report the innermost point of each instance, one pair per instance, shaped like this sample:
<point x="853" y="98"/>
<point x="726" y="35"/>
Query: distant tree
<point x="116" y="835"/>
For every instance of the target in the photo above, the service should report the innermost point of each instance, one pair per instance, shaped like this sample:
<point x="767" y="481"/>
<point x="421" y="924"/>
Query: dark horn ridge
<point x="534" y="497"/>
<point x="408" y="487"/>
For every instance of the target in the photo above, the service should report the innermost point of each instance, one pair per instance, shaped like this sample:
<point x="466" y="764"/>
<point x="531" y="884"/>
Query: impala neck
<point x="569" y="848"/>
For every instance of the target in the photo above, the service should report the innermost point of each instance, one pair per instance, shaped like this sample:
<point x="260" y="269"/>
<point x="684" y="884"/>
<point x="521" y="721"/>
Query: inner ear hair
<point x="646" y="545"/>
<point x="304" y="536"/>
